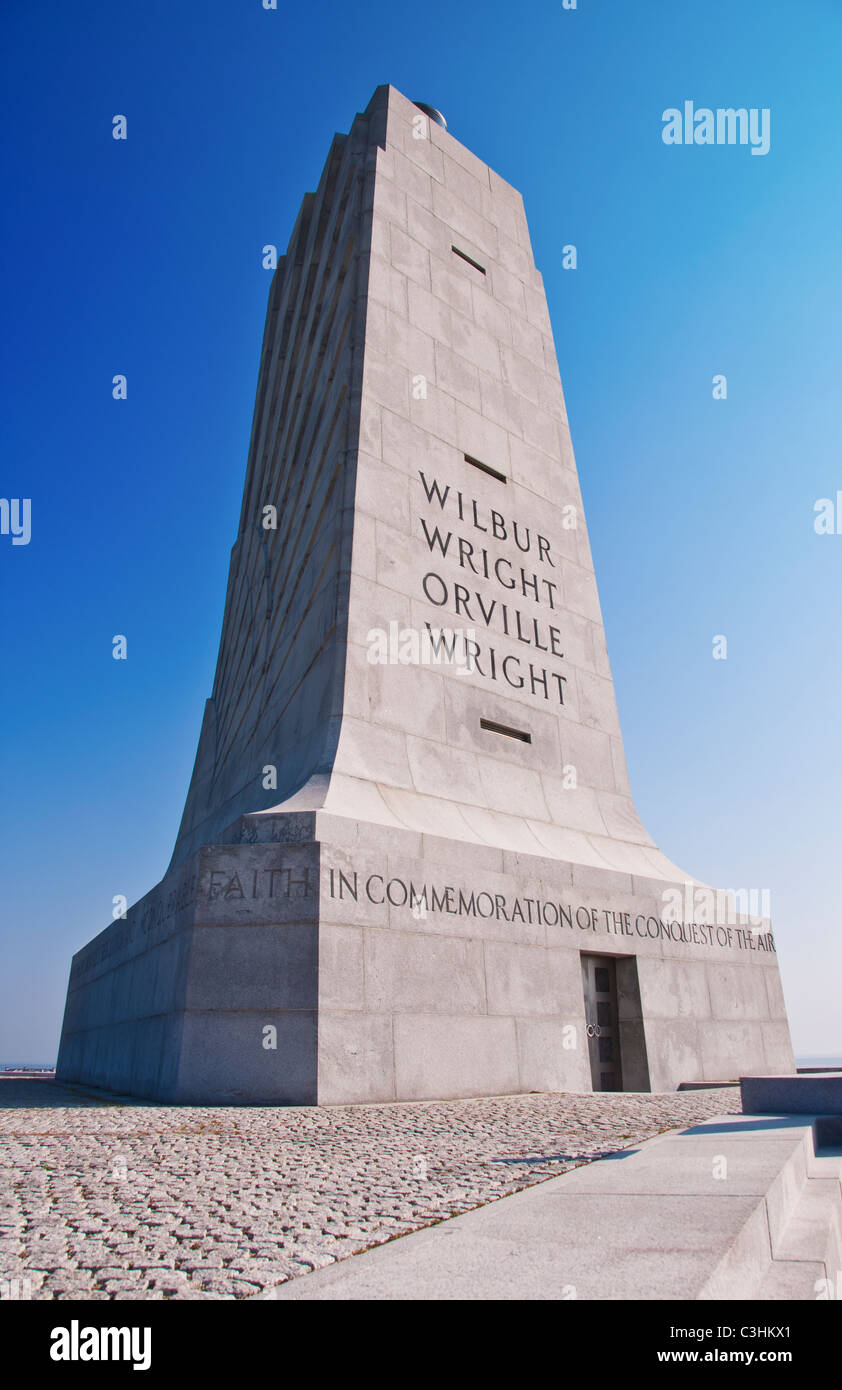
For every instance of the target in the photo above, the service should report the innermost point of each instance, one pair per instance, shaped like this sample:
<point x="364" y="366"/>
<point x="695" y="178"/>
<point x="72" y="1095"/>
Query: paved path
<point x="123" y="1201"/>
<point x="724" y="1209"/>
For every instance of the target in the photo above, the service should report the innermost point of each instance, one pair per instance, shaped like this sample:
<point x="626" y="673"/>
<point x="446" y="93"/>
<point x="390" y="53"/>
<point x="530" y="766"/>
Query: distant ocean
<point x="10" y="1066"/>
<point x="829" y="1061"/>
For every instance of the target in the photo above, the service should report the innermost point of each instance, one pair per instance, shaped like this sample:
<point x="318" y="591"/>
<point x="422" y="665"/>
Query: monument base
<point x="322" y="960"/>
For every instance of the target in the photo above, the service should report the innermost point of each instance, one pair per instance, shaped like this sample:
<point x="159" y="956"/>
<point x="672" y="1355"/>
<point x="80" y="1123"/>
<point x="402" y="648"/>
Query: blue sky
<point x="143" y="257"/>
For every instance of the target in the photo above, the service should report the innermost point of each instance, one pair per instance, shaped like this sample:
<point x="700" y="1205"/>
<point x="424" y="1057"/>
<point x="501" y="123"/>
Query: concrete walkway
<point x="736" y="1207"/>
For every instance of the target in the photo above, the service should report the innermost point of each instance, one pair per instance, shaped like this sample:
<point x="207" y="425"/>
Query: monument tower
<point x="409" y="863"/>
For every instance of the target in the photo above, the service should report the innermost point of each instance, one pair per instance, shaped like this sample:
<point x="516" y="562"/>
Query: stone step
<point x="791" y="1281"/>
<point x="807" y="1250"/>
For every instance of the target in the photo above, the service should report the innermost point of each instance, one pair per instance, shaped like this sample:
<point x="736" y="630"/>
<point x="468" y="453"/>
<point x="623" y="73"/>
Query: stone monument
<point x="409" y="863"/>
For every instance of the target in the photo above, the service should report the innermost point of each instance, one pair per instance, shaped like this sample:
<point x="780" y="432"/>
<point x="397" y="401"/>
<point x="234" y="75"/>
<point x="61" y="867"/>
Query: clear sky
<point x="143" y="257"/>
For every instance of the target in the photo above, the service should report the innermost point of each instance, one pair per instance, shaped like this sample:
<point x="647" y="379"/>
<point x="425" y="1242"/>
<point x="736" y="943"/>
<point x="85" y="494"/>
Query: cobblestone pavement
<point x="109" y="1201"/>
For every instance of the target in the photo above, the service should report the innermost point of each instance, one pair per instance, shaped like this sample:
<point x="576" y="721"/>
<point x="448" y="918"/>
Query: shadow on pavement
<point x="45" y="1093"/>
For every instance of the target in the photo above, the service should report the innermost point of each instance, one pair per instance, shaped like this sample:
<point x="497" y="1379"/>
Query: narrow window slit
<point x="504" y="729"/>
<point x="465" y="257"/>
<point x="486" y="468"/>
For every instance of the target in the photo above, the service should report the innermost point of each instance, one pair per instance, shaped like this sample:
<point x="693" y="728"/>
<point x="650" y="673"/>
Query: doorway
<point x="599" y="980"/>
